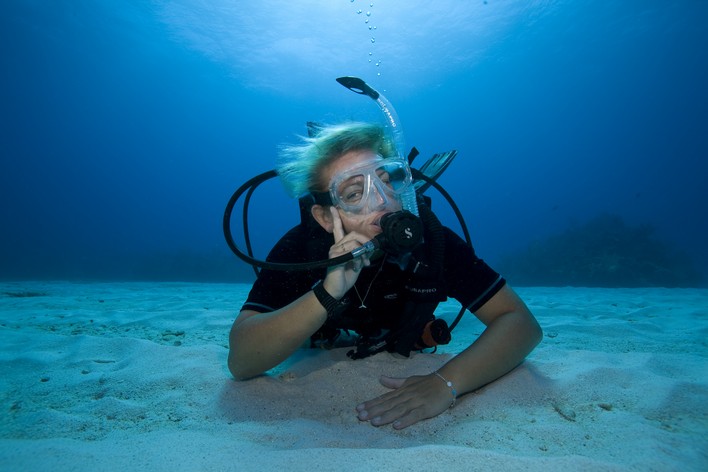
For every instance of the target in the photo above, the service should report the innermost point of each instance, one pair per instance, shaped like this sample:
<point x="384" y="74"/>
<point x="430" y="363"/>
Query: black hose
<point x="249" y="186"/>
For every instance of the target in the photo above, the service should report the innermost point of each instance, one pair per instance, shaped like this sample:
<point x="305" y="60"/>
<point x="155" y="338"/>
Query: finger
<point x="337" y="228"/>
<point x="391" y="382"/>
<point x="356" y="265"/>
<point x="401" y="412"/>
<point x="410" y="418"/>
<point x="392" y="415"/>
<point x="375" y="406"/>
<point x="383" y="402"/>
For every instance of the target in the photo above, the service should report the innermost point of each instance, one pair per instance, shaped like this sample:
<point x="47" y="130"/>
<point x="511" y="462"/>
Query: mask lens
<point x="394" y="175"/>
<point x="352" y="189"/>
<point x="350" y="192"/>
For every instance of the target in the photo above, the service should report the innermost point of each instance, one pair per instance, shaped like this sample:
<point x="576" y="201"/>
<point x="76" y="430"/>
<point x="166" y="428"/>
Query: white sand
<point x="133" y="377"/>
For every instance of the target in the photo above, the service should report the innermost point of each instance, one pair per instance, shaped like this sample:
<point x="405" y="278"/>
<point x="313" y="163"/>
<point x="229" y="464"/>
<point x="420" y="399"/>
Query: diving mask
<point x="370" y="186"/>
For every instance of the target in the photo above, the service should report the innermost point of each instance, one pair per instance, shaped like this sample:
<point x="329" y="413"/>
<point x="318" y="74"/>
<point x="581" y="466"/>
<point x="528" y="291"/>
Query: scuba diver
<point x="371" y="258"/>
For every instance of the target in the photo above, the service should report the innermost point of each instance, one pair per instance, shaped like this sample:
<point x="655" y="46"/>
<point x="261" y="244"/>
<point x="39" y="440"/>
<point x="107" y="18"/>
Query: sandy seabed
<point x="132" y="376"/>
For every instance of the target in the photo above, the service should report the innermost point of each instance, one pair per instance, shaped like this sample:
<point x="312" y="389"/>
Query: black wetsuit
<point x="465" y="278"/>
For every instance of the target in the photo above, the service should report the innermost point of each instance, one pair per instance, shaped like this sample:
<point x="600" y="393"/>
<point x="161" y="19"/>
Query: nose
<point x="377" y="198"/>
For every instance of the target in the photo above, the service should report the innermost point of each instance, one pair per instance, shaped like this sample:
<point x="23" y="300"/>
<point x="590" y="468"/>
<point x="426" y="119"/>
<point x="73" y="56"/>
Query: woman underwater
<point x="355" y="181"/>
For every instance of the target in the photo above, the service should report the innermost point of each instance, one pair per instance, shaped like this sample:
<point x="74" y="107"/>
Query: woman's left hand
<point x="410" y="400"/>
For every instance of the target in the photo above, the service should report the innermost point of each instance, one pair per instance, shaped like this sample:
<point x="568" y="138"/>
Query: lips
<point x="376" y="223"/>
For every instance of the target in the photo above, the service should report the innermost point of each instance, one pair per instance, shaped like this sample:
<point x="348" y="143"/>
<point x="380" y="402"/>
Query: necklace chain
<point x="371" y="284"/>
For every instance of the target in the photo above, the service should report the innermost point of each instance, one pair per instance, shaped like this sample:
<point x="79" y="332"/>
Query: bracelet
<point x="331" y="304"/>
<point x="452" y="388"/>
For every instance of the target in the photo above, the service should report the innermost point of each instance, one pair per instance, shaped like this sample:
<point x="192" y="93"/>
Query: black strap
<point x="331" y="304"/>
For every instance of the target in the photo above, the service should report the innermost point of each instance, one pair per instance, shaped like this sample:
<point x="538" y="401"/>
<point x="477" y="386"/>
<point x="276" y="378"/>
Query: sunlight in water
<point x="283" y="45"/>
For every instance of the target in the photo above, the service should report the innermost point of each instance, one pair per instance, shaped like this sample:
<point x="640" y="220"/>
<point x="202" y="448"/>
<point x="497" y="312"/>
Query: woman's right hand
<point x="342" y="277"/>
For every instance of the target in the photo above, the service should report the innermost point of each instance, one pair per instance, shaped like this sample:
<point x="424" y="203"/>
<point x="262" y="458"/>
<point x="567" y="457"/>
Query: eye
<point x="352" y="193"/>
<point x="395" y="177"/>
<point x="352" y="190"/>
<point x="384" y="177"/>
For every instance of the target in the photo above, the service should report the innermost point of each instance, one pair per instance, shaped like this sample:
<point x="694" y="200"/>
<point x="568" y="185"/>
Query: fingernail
<point x="360" y="407"/>
<point x="363" y="414"/>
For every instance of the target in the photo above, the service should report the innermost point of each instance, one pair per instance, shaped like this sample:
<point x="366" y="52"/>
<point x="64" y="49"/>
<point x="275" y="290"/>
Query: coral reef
<point x="605" y="252"/>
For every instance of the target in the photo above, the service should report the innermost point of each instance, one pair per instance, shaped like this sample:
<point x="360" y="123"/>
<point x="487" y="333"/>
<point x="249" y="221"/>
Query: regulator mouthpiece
<point x="402" y="232"/>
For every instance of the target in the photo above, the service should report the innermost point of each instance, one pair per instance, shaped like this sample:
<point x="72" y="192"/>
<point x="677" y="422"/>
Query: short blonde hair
<point x="300" y="166"/>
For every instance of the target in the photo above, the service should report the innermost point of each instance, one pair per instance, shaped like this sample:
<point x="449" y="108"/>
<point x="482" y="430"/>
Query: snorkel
<point x="357" y="85"/>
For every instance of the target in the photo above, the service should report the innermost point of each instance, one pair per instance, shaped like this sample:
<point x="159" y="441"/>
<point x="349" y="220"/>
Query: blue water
<point x="127" y="125"/>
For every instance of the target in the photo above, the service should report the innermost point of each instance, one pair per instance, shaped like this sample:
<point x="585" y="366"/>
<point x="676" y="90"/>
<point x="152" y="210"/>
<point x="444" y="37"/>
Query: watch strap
<point x="331" y="304"/>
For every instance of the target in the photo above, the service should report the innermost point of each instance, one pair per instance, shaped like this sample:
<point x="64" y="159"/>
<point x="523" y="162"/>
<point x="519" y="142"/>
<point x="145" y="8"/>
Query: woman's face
<point x="366" y="221"/>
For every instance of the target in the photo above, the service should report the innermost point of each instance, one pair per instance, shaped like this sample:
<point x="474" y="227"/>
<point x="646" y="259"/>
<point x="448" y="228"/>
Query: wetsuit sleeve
<point x="468" y="278"/>
<point x="273" y="289"/>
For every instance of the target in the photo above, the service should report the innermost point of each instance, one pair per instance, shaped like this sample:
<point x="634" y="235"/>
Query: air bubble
<point x="368" y="13"/>
<point x="366" y="20"/>
<point x="371" y="54"/>
<point x="373" y="40"/>
<point x="358" y="12"/>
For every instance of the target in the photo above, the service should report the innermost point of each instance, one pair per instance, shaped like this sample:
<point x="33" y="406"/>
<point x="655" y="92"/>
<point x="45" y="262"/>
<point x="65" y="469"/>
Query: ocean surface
<point x="581" y="127"/>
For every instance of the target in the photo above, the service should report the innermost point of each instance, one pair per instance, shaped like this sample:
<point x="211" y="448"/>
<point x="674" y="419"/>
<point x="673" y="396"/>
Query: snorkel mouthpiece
<point x="402" y="232"/>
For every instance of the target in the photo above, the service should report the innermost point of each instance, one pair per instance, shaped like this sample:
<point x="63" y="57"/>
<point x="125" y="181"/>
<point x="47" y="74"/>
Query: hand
<point x="342" y="277"/>
<point x="411" y="400"/>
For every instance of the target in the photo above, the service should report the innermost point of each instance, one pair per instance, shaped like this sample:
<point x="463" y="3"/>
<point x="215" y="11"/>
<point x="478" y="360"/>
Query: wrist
<point x="332" y="305"/>
<point x="450" y="385"/>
